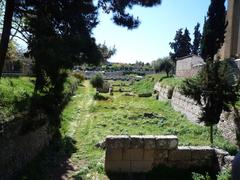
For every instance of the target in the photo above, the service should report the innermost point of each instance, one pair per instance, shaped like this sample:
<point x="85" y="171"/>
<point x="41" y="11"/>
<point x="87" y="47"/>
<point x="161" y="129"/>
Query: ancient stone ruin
<point x="141" y="154"/>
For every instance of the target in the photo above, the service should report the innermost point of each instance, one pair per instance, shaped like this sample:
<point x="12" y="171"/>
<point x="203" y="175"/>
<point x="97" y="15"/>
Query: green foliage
<point x="214" y="29"/>
<point x="15" y="95"/>
<point x="181" y="45"/>
<point x="197" y="40"/>
<point x="97" y="81"/>
<point x="224" y="175"/>
<point x="79" y="76"/>
<point x="106" y="51"/>
<point x="164" y="64"/>
<point x="215" y="89"/>
<point x="100" y="97"/>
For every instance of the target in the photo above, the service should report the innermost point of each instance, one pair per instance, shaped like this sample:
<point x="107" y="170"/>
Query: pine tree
<point x="197" y="40"/>
<point x="186" y="43"/>
<point x="181" y="45"/>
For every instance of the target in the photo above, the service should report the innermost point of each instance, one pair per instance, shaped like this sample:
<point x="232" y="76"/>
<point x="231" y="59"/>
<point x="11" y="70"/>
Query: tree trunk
<point x="7" y="25"/>
<point x="211" y="135"/>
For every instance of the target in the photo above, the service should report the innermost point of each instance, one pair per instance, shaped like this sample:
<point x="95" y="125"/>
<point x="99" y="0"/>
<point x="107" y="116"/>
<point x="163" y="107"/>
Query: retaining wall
<point x="140" y="154"/>
<point x="192" y="111"/>
<point x="16" y="152"/>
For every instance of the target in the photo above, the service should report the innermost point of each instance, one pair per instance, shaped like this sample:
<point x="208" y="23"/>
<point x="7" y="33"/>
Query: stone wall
<point x="163" y="92"/>
<point x="186" y="106"/>
<point x="189" y="66"/>
<point x="139" y="154"/>
<point x="192" y="111"/>
<point x="16" y="152"/>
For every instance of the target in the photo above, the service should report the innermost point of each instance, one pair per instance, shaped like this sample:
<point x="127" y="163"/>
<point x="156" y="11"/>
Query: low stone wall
<point x="163" y="92"/>
<point x="16" y="152"/>
<point x="186" y="106"/>
<point x="192" y="111"/>
<point x="140" y="154"/>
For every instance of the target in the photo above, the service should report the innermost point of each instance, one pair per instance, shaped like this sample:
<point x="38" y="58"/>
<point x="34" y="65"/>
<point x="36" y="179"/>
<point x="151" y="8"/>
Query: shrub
<point x="97" y="81"/>
<point x="79" y="76"/>
<point x="145" y="95"/>
<point x="100" y="97"/>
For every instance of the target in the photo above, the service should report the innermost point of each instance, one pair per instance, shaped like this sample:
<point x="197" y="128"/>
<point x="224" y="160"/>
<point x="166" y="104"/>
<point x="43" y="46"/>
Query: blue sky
<point x="158" y="27"/>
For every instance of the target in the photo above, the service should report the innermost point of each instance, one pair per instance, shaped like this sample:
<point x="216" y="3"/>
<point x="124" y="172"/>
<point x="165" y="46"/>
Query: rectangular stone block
<point x="136" y="142"/>
<point x="166" y="142"/>
<point x="148" y="154"/>
<point x="133" y="154"/>
<point x="202" y="152"/>
<point x="180" y="154"/>
<point x="160" y="156"/>
<point x="149" y="142"/>
<point x="141" y="166"/>
<point x="118" y="166"/>
<point x="116" y="142"/>
<point x="114" y="154"/>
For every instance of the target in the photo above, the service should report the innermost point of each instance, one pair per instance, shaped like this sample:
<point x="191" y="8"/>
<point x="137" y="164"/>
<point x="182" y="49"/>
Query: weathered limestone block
<point x="149" y="142"/>
<point x="148" y="154"/>
<point x="183" y="153"/>
<point x="118" y="166"/>
<point x="202" y="152"/>
<point x="160" y="157"/>
<point x="141" y="166"/>
<point x="133" y="154"/>
<point x="136" y="142"/>
<point x="115" y="142"/>
<point x="166" y="142"/>
<point x="114" y="154"/>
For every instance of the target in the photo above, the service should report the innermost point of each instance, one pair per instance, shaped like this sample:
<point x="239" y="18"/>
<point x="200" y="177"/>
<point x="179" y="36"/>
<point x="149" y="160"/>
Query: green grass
<point x="146" y="85"/>
<point x="88" y="122"/>
<point x="15" y="95"/>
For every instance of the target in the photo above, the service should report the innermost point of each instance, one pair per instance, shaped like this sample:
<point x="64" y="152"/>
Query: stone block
<point x="114" y="154"/>
<point x="166" y="142"/>
<point x="148" y="154"/>
<point x="115" y="142"/>
<point x="136" y="142"/>
<point x="133" y="154"/>
<point x="141" y="166"/>
<point x="149" y="142"/>
<point x="160" y="156"/>
<point x="118" y="166"/>
<point x="180" y="154"/>
<point x="202" y="152"/>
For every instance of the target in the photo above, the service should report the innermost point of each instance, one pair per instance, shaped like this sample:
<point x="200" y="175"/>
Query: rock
<point x="101" y="144"/>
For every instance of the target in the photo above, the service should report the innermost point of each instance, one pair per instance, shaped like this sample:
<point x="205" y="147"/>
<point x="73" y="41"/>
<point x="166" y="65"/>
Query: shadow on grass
<point x="163" y="173"/>
<point x="53" y="162"/>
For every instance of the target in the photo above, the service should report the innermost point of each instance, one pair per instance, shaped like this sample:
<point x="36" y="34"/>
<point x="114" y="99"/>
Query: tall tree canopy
<point x="214" y="29"/>
<point x="181" y="45"/>
<point x="197" y="40"/>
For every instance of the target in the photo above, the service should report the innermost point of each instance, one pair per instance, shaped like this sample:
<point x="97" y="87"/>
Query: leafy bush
<point x="79" y="76"/>
<point x="100" y="97"/>
<point x="97" y="81"/>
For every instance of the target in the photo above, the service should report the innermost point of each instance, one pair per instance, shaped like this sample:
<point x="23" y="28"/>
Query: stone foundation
<point x="140" y="154"/>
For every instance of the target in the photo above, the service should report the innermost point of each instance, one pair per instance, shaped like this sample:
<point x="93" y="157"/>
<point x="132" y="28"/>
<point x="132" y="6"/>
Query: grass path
<point x="85" y="122"/>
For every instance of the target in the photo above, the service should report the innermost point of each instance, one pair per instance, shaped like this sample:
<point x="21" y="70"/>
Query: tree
<point x="197" y="40"/>
<point x="27" y="9"/>
<point x="216" y="87"/>
<point x="7" y="24"/>
<point x="164" y="64"/>
<point x="214" y="29"/>
<point x="107" y="52"/>
<point x="97" y="81"/>
<point x="181" y="45"/>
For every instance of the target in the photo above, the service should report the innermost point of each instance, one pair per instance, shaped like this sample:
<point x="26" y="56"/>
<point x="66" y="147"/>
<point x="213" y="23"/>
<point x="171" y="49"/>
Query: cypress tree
<point x="214" y="29"/>
<point x="197" y="40"/>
